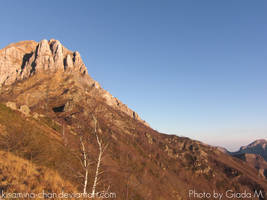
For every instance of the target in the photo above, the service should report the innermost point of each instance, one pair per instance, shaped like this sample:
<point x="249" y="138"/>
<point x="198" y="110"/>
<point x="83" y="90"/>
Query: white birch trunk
<point x="97" y="166"/>
<point x="85" y="165"/>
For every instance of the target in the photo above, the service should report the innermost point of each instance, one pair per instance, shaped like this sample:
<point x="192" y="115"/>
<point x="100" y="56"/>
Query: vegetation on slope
<point x="139" y="163"/>
<point x="21" y="177"/>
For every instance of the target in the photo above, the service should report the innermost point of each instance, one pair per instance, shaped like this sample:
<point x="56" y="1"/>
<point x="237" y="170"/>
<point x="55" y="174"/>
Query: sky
<point x="194" y="68"/>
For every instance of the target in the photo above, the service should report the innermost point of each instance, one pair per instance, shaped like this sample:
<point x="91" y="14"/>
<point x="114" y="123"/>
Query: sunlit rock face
<point x="25" y="59"/>
<point x="21" y="60"/>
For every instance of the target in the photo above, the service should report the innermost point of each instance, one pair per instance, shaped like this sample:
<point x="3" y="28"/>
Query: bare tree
<point x="85" y="164"/>
<point x="101" y="147"/>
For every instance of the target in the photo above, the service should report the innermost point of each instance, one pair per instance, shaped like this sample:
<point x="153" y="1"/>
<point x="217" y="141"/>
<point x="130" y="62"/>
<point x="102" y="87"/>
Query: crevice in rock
<point x="59" y="108"/>
<point x="26" y="58"/>
<point x="65" y="63"/>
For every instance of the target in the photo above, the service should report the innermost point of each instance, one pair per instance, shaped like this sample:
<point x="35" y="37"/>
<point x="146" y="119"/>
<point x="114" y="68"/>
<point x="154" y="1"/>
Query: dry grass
<point x="20" y="175"/>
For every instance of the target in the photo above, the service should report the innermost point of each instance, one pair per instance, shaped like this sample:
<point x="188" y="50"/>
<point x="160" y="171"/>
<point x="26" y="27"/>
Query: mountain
<point x="22" y="60"/>
<point x="54" y="116"/>
<point x="258" y="147"/>
<point x="255" y="154"/>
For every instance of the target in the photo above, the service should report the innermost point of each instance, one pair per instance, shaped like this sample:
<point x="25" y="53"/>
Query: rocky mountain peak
<point x="258" y="147"/>
<point x="18" y="62"/>
<point x="22" y="60"/>
<point x="43" y="48"/>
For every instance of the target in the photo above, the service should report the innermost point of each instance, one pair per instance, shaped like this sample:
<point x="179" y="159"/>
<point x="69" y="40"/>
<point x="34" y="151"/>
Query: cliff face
<point x="12" y="59"/>
<point x="20" y="61"/>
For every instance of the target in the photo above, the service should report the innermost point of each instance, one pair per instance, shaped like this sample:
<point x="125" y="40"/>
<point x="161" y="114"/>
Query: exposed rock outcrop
<point x="13" y="59"/>
<point x="22" y="60"/>
<point x="11" y="105"/>
<point x="116" y="103"/>
<point x="25" y="110"/>
<point x="18" y="62"/>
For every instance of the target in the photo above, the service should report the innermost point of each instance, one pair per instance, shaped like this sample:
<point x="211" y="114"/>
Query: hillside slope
<point x="19" y="178"/>
<point x="45" y="115"/>
<point x="255" y="161"/>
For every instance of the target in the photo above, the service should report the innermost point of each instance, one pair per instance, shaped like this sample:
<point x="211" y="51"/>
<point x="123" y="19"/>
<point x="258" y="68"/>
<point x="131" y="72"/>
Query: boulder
<point x="11" y="105"/>
<point x="25" y="110"/>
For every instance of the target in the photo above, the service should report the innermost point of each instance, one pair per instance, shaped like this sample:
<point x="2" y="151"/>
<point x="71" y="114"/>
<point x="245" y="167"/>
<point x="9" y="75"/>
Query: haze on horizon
<point x="191" y="68"/>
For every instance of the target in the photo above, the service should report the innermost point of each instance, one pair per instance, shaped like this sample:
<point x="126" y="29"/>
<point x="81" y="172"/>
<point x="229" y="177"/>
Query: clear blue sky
<point x="192" y="68"/>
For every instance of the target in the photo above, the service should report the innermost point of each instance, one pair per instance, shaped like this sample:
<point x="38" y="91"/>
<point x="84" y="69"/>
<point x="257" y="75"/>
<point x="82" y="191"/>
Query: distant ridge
<point x="258" y="147"/>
